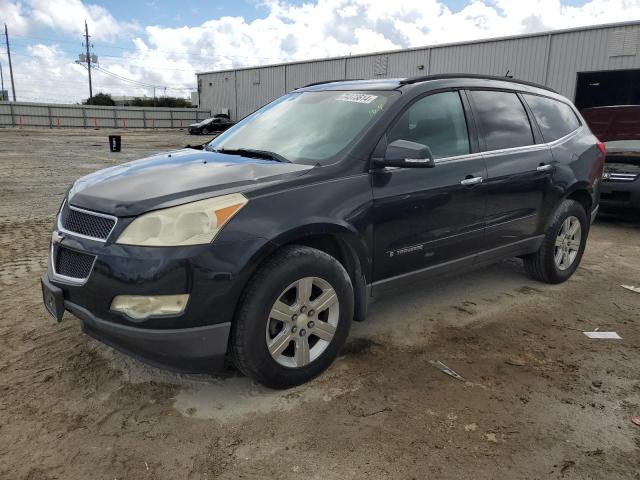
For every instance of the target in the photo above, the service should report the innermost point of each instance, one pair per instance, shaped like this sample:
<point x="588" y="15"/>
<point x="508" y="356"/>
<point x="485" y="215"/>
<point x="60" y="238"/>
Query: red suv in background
<point x="619" y="128"/>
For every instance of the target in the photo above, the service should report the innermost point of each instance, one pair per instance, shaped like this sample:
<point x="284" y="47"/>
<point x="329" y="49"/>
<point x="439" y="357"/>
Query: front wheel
<point x="293" y="318"/>
<point x="563" y="245"/>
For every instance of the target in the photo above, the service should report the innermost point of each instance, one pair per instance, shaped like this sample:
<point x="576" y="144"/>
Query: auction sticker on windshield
<point x="357" y="97"/>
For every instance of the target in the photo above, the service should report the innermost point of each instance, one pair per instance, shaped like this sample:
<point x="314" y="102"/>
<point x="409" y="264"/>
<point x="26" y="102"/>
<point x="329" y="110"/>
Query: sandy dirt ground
<point x="540" y="399"/>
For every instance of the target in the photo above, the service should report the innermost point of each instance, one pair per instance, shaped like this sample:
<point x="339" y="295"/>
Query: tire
<point x="205" y="131"/>
<point x="544" y="265"/>
<point x="259" y="326"/>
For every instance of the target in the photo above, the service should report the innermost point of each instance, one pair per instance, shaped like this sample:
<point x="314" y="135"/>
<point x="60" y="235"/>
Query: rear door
<point x="429" y="216"/>
<point x="519" y="167"/>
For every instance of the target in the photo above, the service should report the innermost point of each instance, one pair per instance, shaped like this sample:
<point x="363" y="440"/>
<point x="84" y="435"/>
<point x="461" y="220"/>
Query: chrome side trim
<point x="459" y="158"/>
<point x="489" y="153"/>
<point x="88" y="212"/>
<point x="527" y="148"/>
<point x="65" y="279"/>
<point x="535" y="147"/>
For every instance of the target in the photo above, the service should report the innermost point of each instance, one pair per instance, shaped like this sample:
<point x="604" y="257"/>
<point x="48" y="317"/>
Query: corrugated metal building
<point x="593" y="66"/>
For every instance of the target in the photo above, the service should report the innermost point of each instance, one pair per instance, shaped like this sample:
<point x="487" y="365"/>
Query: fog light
<point x="139" y="307"/>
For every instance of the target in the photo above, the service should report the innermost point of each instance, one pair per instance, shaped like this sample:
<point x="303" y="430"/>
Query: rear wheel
<point x="562" y="248"/>
<point x="293" y="318"/>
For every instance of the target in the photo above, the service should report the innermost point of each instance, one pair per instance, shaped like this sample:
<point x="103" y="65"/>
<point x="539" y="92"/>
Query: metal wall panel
<point x="398" y="65"/>
<point x="407" y="64"/>
<point x="301" y="74"/>
<point x="218" y="92"/>
<point x="361" y="67"/>
<point x="258" y="90"/>
<point x="524" y="58"/>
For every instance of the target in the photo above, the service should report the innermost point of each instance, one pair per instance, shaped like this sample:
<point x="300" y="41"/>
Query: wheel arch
<point x="342" y="242"/>
<point x="582" y="193"/>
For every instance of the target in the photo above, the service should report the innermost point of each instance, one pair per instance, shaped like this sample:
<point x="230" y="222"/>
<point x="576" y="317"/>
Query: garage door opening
<point x="599" y="89"/>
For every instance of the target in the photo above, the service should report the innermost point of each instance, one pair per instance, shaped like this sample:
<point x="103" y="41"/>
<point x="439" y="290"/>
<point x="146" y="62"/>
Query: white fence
<point x="48" y="115"/>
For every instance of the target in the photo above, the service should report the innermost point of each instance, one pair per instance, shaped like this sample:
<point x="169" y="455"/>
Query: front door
<point x="424" y="217"/>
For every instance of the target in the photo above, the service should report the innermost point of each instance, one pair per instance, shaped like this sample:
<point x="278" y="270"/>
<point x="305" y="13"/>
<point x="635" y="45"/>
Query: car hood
<point x="172" y="178"/>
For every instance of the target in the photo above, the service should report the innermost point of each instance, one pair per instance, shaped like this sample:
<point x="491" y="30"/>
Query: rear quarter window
<point x="555" y="119"/>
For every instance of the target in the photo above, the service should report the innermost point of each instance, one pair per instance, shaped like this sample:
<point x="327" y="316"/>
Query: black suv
<point x="266" y="244"/>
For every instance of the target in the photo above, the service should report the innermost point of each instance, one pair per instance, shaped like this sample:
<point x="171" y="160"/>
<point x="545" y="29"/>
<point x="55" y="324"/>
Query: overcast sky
<point x="164" y="43"/>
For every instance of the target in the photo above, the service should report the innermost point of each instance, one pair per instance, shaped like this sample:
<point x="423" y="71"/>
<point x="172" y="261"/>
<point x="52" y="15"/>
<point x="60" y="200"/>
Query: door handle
<point x="544" y="168"/>
<point x="471" y="181"/>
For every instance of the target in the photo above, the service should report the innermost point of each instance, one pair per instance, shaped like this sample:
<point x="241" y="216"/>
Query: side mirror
<point x="406" y="154"/>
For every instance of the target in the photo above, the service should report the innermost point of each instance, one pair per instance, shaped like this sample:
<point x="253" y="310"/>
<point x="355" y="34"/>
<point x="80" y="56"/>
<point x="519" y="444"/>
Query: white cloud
<point x="171" y="56"/>
<point x="13" y="14"/>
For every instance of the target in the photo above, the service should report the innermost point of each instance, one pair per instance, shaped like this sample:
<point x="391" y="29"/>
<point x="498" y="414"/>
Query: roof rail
<point x="408" y="81"/>
<point x="332" y="81"/>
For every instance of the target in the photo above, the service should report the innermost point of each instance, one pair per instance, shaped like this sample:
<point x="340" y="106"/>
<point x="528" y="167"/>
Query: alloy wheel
<point x="567" y="243"/>
<point x="302" y="322"/>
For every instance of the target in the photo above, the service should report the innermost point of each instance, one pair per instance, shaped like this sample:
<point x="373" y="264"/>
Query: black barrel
<point x="115" y="143"/>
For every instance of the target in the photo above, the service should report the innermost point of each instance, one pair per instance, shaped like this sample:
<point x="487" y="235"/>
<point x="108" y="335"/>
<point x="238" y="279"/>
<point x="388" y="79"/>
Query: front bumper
<point x="194" y="341"/>
<point x="616" y="194"/>
<point x="197" y="349"/>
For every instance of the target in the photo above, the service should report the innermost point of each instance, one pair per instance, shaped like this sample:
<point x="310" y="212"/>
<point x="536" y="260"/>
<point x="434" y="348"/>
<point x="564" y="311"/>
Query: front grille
<point x="86" y="223"/>
<point x="73" y="264"/>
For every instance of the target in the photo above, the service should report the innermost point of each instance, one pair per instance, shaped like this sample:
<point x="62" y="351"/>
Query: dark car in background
<point x="264" y="246"/>
<point x="218" y="123"/>
<point x="619" y="128"/>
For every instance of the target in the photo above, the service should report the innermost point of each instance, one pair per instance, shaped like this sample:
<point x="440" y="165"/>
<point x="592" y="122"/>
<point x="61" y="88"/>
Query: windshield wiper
<point x="250" y="152"/>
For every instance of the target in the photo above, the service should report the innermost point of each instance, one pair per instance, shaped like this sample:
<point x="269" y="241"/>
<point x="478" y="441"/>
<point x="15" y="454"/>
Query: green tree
<point x="103" y="99"/>
<point x="171" y="102"/>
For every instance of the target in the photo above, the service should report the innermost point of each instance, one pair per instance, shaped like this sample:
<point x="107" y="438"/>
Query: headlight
<point x="193" y="223"/>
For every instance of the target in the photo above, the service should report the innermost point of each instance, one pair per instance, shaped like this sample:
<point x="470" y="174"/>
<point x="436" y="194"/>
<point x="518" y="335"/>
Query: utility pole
<point x="13" y="87"/>
<point x="86" y="42"/>
<point x="1" y="84"/>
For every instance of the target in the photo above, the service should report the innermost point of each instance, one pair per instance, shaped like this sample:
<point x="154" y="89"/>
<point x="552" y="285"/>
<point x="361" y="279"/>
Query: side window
<point x="503" y="120"/>
<point x="437" y="121"/>
<point x="556" y="119"/>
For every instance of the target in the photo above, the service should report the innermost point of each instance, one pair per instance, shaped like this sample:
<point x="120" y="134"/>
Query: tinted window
<point x="503" y="120"/>
<point x="436" y="121"/>
<point x="556" y="119"/>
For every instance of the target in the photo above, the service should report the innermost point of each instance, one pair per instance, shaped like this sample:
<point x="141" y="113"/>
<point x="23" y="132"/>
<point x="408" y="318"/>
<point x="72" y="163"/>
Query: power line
<point x="140" y="83"/>
<point x="220" y="65"/>
<point x="190" y="53"/>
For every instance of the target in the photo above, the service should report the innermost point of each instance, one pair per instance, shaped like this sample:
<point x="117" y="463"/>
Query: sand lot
<point x="540" y="399"/>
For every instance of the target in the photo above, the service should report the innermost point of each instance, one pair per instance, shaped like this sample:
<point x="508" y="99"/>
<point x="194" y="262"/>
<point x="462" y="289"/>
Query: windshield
<point x="305" y="127"/>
